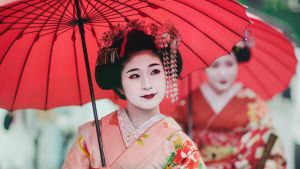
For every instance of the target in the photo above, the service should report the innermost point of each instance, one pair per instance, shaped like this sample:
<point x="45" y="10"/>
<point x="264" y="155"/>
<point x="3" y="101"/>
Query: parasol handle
<point x="190" y="107"/>
<point x="89" y="77"/>
<point x="267" y="151"/>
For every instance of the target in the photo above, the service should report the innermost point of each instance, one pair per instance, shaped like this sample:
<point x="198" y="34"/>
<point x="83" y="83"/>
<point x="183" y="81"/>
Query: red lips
<point x="149" y="96"/>
<point x="223" y="81"/>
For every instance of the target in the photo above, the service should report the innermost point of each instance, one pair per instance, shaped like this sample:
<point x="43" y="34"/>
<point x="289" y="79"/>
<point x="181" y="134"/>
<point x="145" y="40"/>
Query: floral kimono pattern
<point x="159" y="143"/>
<point x="236" y="136"/>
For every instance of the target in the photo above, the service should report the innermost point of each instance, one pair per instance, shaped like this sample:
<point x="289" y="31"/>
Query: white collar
<point x="219" y="101"/>
<point x="129" y="133"/>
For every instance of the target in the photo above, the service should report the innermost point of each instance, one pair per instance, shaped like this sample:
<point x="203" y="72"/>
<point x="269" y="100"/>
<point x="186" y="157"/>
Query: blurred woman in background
<point x="231" y="124"/>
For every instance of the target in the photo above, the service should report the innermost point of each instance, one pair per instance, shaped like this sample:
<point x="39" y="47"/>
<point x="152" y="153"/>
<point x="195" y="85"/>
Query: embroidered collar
<point x="129" y="133"/>
<point x="218" y="102"/>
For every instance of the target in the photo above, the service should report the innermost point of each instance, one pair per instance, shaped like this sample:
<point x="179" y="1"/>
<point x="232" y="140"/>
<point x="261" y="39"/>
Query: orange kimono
<point x="235" y="136"/>
<point x="158" y="143"/>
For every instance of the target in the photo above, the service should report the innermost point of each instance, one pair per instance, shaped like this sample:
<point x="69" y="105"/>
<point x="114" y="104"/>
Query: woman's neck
<point x="219" y="101"/>
<point x="139" y="116"/>
<point x="215" y="90"/>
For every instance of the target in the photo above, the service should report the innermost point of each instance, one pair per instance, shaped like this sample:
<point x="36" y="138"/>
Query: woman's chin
<point x="222" y="89"/>
<point x="148" y="104"/>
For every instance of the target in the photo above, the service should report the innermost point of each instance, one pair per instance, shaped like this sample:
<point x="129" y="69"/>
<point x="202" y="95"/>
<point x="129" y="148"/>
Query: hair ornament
<point x="166" y="37"/>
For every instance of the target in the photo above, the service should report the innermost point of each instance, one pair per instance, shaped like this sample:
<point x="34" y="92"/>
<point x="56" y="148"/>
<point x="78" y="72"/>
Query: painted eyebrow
<point x="131" y="70"/>
<point x="135" y="69"/>
<point x="154" y="64"/>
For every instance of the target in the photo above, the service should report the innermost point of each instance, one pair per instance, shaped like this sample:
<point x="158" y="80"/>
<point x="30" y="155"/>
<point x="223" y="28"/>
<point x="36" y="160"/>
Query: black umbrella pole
<point x="190" y="107"/>
<point x="88" y="71"/>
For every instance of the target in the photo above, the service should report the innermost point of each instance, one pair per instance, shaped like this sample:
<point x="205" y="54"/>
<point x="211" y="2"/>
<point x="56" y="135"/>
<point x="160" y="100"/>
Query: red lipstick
<point x="149" y="96"/>
<point x="223" y="81"/>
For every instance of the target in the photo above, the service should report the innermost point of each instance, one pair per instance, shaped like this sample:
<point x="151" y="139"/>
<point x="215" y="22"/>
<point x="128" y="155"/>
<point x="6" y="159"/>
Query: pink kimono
<point x="158" y="143"/>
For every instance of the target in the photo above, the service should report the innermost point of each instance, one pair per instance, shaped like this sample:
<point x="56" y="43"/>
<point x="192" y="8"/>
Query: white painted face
<point x="222" y="73"/>
<point x="143" y="80"/>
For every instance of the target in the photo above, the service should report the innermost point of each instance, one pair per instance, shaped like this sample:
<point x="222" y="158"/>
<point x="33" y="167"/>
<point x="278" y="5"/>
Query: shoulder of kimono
<point x="171" y="123"/>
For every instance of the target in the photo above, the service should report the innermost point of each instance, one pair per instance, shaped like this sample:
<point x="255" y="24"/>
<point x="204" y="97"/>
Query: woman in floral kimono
<point x="139" y="136"/>
<point x="230" y="122"/>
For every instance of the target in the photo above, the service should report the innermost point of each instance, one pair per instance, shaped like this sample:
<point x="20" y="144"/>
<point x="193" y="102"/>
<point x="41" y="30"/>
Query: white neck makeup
<point x="219" y="101"/>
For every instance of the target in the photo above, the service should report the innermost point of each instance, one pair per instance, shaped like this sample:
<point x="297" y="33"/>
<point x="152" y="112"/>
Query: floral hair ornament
<point x="166" y="37"/>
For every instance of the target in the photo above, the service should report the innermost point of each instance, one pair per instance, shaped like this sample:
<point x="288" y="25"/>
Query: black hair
<point x="108" y="76"/>
<point x="242" y="54"/>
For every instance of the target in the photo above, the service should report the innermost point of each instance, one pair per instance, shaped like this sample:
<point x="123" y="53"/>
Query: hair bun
<point x="105" y="75"/>
<point x="242" y="54"/>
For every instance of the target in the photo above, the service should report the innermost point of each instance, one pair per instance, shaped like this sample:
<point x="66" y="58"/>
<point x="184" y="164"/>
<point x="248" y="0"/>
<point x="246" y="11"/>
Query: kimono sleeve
<point x="252" y="144"/>
<point x="78" y="156"/>
<point x="184" y="153"/>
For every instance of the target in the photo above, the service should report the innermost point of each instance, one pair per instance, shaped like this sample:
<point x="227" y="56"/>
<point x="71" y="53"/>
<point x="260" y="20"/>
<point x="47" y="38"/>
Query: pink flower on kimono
<point x="187" y="156"/>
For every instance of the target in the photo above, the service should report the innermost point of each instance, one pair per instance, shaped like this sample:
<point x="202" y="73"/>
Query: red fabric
<point x="234" y="134"/>
<point x="41" y="58"/>
<point x="122" y="52"/>
<point x="234" y="113"/>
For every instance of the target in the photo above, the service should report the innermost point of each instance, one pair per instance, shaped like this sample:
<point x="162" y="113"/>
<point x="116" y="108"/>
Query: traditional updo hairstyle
<point x="242" y="54"/>
<point x="108" y="75"/>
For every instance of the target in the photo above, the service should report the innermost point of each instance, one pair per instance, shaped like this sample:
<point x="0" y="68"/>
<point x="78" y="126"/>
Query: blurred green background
<point x="284" y="14"/>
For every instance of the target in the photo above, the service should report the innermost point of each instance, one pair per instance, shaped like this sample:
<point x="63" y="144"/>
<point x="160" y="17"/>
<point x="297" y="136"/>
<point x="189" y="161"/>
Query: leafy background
<point x="284" y="14"/>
